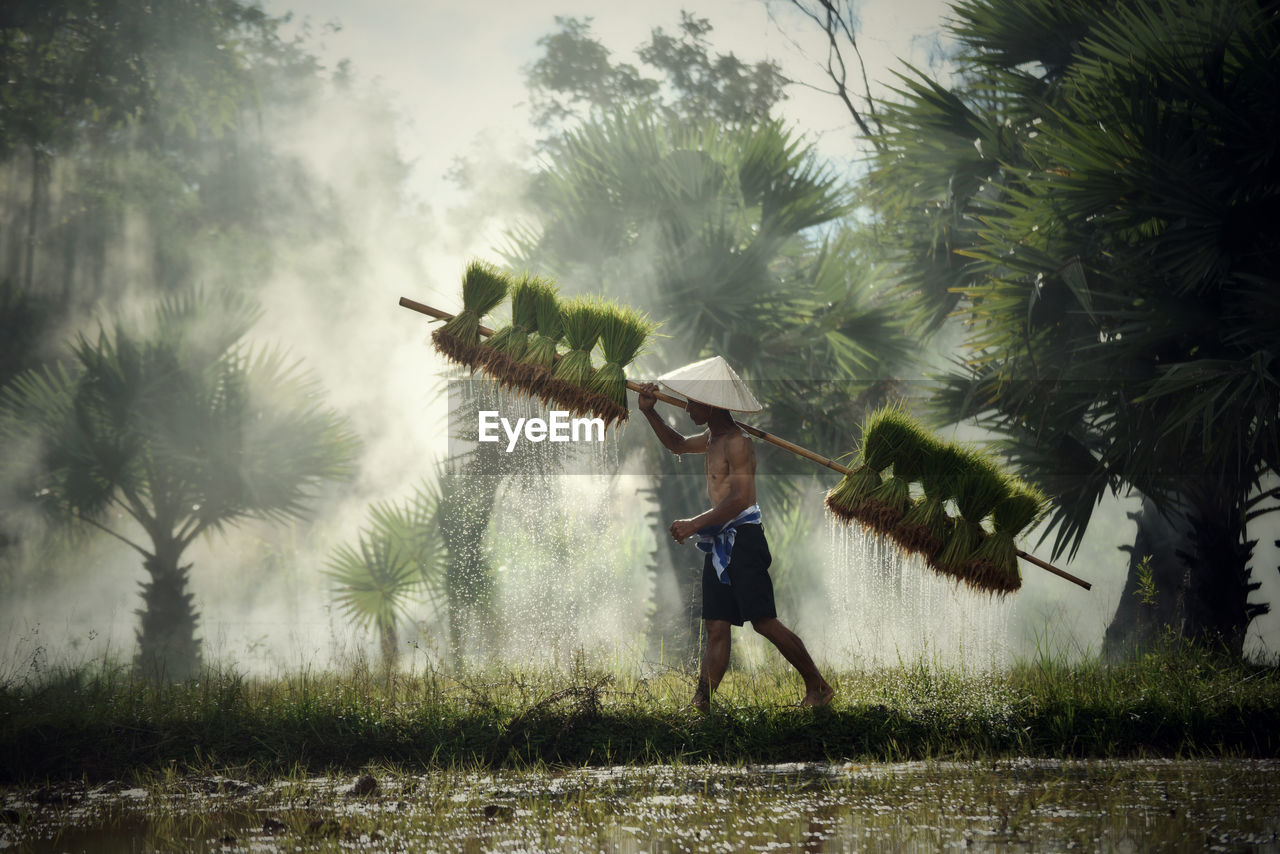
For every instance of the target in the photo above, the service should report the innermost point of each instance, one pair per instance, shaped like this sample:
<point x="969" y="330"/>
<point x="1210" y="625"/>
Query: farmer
<point x="735" y="574"/>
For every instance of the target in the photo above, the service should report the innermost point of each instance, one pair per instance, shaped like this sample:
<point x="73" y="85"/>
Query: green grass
<point x="98" y="723"/>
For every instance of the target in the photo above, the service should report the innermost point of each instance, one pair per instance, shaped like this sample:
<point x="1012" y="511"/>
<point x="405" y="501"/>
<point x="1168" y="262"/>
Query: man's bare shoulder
<point x="738" y="445"/>
<point x="698" y="443"/>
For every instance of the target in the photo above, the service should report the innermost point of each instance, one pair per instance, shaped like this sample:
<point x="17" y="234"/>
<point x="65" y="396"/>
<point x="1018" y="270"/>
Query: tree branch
<point x="125" y="540"/>
<point x="187" y="535"/>
<point x="137" y="508"/>
<point x="1263" y="496"/>
<point x="1256" y="514"/>
<point x="791" y="81"/>
<point x="834" y="25"/>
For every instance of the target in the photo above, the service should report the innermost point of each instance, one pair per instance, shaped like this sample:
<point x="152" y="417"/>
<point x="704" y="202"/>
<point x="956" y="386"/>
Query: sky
<point x="455" y="70"/>
<point x="455" y="73"/>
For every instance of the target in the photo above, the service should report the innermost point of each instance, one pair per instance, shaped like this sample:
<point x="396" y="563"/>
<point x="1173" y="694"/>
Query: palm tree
<point x="1105" y="229"/>
<point x="398" y="559"/>
<point x="184" y="430"/>
<point x="716" y="232"/>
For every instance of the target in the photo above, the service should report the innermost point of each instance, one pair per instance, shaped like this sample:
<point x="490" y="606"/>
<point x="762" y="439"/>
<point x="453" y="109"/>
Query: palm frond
<point x="373" y="581"/>
<point x="399" y="559"/>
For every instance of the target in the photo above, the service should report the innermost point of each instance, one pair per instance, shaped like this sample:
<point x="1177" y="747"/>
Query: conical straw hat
<point x="712" y="382"/>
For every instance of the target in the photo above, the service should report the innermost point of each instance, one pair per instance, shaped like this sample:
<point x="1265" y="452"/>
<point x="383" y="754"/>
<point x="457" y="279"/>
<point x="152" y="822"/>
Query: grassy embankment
<point x="96" y="722"/>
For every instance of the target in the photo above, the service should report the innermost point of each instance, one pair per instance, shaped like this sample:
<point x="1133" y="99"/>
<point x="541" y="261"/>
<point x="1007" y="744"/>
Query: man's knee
<point x="767" y="626"/>
<point x="717" y="630"/>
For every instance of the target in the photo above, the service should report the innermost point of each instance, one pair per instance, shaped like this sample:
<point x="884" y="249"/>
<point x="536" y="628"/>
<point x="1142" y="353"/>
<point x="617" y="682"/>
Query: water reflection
<point x="1021" y="805"/>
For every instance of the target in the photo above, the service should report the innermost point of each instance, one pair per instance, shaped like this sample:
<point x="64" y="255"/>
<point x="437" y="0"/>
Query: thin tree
<point x="398" y="560"/>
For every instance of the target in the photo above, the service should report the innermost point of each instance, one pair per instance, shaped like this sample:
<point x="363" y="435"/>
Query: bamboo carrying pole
<point x="759" y="434"/>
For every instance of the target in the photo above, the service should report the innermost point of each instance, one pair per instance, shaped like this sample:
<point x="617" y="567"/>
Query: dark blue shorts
<point x="749" y="594"/>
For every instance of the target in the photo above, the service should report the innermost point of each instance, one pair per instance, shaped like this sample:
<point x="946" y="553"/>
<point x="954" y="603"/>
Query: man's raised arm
<point x="673" y="441"/>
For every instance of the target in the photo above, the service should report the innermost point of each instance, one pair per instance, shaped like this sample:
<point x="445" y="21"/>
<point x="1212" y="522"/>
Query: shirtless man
<point x="743" y="591"/>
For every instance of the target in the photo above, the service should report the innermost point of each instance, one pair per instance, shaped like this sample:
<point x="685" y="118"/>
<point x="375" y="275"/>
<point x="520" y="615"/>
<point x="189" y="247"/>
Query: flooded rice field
<point x="1022" y="805"/>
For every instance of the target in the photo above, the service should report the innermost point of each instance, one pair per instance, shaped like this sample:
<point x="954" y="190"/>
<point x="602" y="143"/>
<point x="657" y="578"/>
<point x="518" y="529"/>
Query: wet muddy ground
<point x="1020" y="805"/>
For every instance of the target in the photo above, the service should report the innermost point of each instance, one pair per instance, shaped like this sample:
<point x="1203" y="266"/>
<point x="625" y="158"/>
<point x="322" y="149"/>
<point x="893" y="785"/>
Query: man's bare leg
<point x="715" y="660"/>
<point x="816" y="690"/>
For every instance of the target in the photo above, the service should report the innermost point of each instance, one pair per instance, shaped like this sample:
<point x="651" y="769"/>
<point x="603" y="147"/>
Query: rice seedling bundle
<point x="887" y="429"/>
<point x="514" y="337"/>
<point x="925" y="526"/>
<point x="581" y="319"/>
<point x="845" y="500"/>
<point x="888" y="502"/>
<point x="994" y="564"/>
<point x="980" y="486"/>
<point x="534" y="369"/>
<point x="882" y="431"/>
<point x="483" y="287"/>
<point x="963" y="538"/>
<point x="623" y="333"/>
<point x="507" y="346"/>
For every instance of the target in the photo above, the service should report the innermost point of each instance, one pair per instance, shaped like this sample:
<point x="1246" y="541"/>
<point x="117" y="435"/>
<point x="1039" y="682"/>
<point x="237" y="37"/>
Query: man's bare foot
<point x="702" y="696"/>
<point x="819" y="696"/>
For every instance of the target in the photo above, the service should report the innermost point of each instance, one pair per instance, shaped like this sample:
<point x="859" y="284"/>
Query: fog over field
<point x="432" y="90"/>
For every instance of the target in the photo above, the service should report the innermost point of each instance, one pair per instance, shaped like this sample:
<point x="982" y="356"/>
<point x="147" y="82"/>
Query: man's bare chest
<point x="716" y="461"/>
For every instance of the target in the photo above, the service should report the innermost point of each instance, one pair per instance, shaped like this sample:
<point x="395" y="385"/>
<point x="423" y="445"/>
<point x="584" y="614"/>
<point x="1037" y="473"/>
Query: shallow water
<point x="1022" y="805"/>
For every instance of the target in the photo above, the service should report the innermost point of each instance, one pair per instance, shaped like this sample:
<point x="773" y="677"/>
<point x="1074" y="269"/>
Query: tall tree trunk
<point x="1218" y="607"/>
<point x="1199" y="563"/>
<point x="667" y="630"/>
<point x="167" y="646"/>
<point x="1138" y="625"/>
<point x="389" y="641"/>
<point x="33" y="219"/>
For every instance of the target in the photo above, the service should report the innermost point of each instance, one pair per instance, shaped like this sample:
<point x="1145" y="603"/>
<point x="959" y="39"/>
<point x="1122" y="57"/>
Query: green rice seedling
<point x="995" y="561"/>
<point x="623" y="333"/>
<point x="846" y="498"/>
<point x="888" y="502"/>
<point x="961" y="541"/>
<point x="882" y="432"/>
<point x="887" y="429"/>
<point x="513" y="338"/>
<point x="483" y="287"/>
<point x="980" y="486"/>
<point x="534" y="368"/>
<point x="507" y="346"/>
<point x="582" y="319"/>
<point x="924" y="527"/>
